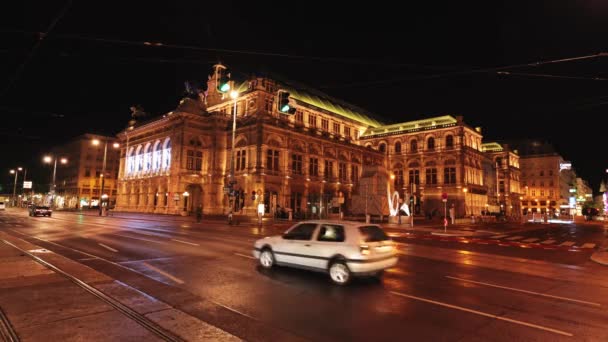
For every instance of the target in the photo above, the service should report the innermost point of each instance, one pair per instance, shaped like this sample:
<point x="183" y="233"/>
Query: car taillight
<point x="364" y="249"/>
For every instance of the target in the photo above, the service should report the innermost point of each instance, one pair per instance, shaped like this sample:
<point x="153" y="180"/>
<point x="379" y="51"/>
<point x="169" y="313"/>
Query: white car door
<point x="329" y="241"/>
<point x="295" y="245"/>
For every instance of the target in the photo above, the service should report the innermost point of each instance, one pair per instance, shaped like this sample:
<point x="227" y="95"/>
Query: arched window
<point x="130" y="161"/>
<point x="157" y="155"/>
<point x="148" y="157"/>
<point x="414" y="146"/>
<point x="449" y="141"/>
<point x="430" y="144"/>
<point x="166" y="154"/>
<point x="139" y="158"/>
<point x="382" y="147"/>
<point x="398" y="147"/>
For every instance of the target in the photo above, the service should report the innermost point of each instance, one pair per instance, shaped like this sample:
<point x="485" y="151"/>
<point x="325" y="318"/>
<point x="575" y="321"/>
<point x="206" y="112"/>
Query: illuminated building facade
<point x="78" y="183"/>
<point x="309" y="162"/>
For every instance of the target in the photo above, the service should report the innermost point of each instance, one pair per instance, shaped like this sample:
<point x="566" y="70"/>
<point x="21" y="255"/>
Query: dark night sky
<point x="400" y="63"/>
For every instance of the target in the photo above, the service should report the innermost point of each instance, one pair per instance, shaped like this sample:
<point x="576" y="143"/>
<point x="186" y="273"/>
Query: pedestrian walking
<point x="452" y="213"/>
<point x="199" y="213"/>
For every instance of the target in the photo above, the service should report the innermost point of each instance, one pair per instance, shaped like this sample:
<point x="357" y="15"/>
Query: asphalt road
<point x="439" y="291"/>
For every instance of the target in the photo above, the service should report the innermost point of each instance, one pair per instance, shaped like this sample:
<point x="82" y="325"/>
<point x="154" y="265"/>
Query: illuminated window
<point x="354" y="173"/>
<point x="398" y="147"/>
<point x="313" y="167"/>
<point x="431" y="176"/>
<point x="296" y="164"/>
<point x="449" y="141"/>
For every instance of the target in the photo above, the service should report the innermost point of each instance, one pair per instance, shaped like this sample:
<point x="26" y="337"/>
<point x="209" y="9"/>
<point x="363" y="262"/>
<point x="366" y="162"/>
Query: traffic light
<point x="283" y="103"/>
<point x="223" y="80"/>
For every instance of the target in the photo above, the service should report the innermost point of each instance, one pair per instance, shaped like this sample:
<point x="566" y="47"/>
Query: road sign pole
<point x="444" y="198"/>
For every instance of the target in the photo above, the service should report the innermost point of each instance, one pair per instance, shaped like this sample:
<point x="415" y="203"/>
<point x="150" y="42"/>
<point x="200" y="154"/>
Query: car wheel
<point x="49" y="215"/>
<point x="378" y="275"/>
<point x="339" y="273"/>
<point x="267" y="258"/>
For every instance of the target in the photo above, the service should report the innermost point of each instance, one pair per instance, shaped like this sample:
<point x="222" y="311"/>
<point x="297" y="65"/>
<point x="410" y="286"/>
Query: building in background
<point x="548" y="181"/>
<point x="78" y="183"/>
<point x="505" y="193"/>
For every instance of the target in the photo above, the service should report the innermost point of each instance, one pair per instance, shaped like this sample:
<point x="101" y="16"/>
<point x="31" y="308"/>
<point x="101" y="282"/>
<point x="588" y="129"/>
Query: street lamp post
<point x="103" y="172"/>
<point x="233" y="95"/>
<point x="16" y="172"/>
<point x="465" y="190"/>
<point x="49" y="159"/>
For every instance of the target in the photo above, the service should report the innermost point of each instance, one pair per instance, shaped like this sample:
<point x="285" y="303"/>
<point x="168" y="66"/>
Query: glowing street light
<point x="48" y="160"/>
<point x="97" y="142"/>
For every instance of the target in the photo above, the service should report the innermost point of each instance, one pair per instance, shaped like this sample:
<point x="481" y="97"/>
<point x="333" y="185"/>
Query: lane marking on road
<point x="108" y="247"/>
<point x="567" y="243"/>
<point x="135" y="238"/>
<point x="156" y="269"/>
<point x="588" y="245"/>
<point x="531" y="240"/>
<point x="518" y="237"/>
<point x="186" y="242"/>
<point x="526" y="291"/>
<point x="483" y="314"/>
<point x="547" y="242"/>
<point x="244" y="256"/>
<point x="498" y="236"/>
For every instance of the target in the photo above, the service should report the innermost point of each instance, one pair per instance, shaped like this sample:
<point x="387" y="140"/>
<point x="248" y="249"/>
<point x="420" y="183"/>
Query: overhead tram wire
<point x="41" y="38"/>
<point x="232" y="51"/>
<point x="465" y="72"/>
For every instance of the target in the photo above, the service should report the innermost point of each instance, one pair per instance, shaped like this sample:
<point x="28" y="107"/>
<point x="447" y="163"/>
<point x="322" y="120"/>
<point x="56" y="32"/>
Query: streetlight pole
<point x="234" y="95"/>
<point x="48" y="159"/>
<point x="103" y="173"/>
<point x="16" y="172"/>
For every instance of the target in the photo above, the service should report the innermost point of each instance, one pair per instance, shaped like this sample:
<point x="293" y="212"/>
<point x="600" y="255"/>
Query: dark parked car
<point x="40" y="210"/>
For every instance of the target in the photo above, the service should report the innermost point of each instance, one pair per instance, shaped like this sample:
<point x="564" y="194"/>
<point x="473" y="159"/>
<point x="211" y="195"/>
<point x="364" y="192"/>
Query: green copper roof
<point x="316" y="98"/>
<point x="332" y="105"/>
<point x="424" y="124"/>
<point x="491" y="147"/>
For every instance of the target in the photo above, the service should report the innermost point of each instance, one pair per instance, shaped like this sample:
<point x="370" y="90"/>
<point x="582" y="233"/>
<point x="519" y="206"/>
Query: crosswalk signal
<point x="223" y="80"/>
<point x="283" y="103"/>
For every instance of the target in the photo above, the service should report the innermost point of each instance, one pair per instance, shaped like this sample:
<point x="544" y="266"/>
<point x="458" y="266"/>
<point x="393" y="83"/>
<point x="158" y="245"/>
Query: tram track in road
<point x="116" y="304"/>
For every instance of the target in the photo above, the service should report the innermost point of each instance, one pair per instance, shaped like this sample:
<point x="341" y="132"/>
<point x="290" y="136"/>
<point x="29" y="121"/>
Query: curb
<point x="600" y="257"/>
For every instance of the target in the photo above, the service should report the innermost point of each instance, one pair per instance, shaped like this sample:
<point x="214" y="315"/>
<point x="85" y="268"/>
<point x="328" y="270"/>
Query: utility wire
<point x="233" y="51"/>
<point x="456" y="73"/>
<point x="41" y="37"/>
<point x="551" y="76"/>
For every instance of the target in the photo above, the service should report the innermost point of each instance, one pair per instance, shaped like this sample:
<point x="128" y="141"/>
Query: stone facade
<point x="310" y="163"/>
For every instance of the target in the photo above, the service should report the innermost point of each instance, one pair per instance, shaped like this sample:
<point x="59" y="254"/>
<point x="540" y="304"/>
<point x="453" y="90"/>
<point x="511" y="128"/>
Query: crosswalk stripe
<point x="567" y="243"/>
<point x="531" y="240"/>
<point x="515" y="238"/>
<point x="588" y="245"/>
<point x="498" y="236"/>
<point x="547" y="242"/>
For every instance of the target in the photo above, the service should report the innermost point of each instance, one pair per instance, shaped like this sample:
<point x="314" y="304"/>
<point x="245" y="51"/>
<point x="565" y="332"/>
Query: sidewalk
<point x="42" y="304"/>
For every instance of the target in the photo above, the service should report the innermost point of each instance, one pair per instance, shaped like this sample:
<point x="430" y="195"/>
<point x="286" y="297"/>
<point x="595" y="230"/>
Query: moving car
<point x="2" y="206"/>
<point x="40" y="210"/>
<point x="340" y="248"/>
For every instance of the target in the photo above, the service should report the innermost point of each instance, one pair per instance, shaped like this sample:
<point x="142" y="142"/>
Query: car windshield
<point x="373" y="234"/>
<point x="42" y="208"/>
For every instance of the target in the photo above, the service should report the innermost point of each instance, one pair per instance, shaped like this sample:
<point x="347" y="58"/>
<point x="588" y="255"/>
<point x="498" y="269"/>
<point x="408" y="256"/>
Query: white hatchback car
<point x="340" y="248"/>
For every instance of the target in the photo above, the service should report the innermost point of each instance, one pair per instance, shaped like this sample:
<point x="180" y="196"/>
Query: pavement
<point x="45" y="296"/>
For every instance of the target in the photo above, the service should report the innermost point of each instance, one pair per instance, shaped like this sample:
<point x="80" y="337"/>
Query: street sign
<point x="444" y="196"/>
<point x="27" y="185"/>
<point x="176" y="197"/>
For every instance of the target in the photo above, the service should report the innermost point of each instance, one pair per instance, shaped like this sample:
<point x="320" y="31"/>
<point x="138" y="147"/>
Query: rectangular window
<point x="312" y="120"/>
<point x="198" y="163"/>
<point x="551" y="193"/>
<point x="190" y="160"/>
<point x="501" y="186"/>
<point x="268" y="105"/>
<point x="299" y="116"/>
<point x="347" y="132"/>
<point x="431" y="176"/>
<point x="533" y="192"/>
<point x="272" y="160"/>
<point x="336" y="127"/>
<point x="414" y="177"/>
<point x="398" y="179"/>
<point x="354" y="173"/>
<point x="342" y="171"/>
<point x="449" y="175"/>
<point x="542" y="192"/>
<point x="296" y="164"/>
<point x="328" y="169"/>
<point x="87" y="172"/>
<point x="313" y="167"/>
<point x="325" y="124"/>
<point x="331" y="233"/>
